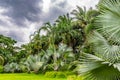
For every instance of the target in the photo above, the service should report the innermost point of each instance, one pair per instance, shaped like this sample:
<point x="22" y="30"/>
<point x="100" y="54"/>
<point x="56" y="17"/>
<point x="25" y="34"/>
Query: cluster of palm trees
<point x="88" y="43"/>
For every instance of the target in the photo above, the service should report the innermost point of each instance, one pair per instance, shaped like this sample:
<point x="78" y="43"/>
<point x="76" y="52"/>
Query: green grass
<point x="24" y="76"/>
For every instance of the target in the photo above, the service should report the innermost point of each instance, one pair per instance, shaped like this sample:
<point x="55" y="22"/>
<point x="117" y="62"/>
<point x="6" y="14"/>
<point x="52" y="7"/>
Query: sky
<point x="20" y="18"/>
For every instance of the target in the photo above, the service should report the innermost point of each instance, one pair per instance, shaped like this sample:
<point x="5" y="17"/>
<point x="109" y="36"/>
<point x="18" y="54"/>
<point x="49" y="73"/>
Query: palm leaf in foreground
<point x="96" y="68"/>
<point x="109" y="21"/>
<point x="105" y="63"/>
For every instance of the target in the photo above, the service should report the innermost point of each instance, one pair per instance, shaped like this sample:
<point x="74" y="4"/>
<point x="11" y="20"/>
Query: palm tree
<point x="37" y="43"/>
<point x="83" y="16"/>
<point x="104" y="63"/>
<point x="63" y="30"/>
<point x="83" y="21"/>
<point x="68" y="32"/>
<point x="50" y="32"/>
<point x="58" y="58"/>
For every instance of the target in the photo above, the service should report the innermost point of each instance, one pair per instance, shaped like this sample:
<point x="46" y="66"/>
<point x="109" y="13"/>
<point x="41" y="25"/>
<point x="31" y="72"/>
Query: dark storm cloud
<point x="19" y="10"/>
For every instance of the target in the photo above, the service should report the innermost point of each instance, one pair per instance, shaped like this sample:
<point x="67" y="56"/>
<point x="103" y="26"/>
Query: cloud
<point x="19" y="10"/>
<point x="57" y="8"/>
<point x="17" y="18"/>
<point x="82" y="3"/>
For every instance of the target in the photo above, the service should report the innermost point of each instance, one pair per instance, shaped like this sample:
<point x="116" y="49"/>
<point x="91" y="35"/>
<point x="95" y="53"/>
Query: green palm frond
<point x="103" y="48"/>
<point x="109" y="21"/>
<point x="94" y="67"/>
<point x="105" y="63"/>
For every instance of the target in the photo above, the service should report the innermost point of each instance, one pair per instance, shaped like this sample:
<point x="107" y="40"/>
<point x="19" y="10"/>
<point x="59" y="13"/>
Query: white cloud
<point x="2" y="10"/>
<point x="82" y="3"/>
<point x="46" y="5"/>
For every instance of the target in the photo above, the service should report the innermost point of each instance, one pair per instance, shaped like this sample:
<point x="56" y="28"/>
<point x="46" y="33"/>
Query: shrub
<point x="69" y="73"/>
<point x="51" y="74"/>
<point x="1" y="60"/>
<point x="74" y="77"/>
<point x="60" y="75"/>
<point x="71" y="77"/>
<point x="1" y="68"/>
<point x="79" y="78"/>
<point x="12" y="67"/>
<point x="23" y="68"/>
<point x="55" y="74"/>
<point x="33" y="63"/>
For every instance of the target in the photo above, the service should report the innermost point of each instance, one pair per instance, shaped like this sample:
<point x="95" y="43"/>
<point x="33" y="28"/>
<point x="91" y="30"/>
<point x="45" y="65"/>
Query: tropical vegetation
<point x="85" y="46"/>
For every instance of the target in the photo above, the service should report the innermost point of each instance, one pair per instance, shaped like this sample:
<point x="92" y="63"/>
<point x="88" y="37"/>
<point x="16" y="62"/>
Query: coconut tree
<point x="83" y="21"/>
<point x="69" y="33"/>
<point x="104" y="63"/>
<point x="83" y="16"/>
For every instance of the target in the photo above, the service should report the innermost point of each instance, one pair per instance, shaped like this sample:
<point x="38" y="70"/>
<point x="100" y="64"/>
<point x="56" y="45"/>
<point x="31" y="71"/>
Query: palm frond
<point x="104" y="48"/>
<point x="94" y="67"/>
<point x="108" y="22"/>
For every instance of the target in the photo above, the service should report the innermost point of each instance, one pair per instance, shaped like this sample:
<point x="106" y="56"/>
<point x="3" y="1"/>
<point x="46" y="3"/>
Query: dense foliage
<point x="87" y="44"/>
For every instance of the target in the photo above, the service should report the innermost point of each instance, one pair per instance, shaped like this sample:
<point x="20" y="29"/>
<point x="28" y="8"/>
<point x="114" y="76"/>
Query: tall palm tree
<point x="83" y="21"/>
<point x="83" y="16"/>
<point x="68" y="31"/>
<point x="104" y="64"/>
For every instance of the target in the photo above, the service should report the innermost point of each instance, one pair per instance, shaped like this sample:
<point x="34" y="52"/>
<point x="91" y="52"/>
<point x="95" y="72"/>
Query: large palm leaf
<point x="105" y="63"/>
<point x="95" y="67"/>
<point x="109" y="20"/>
<point x="104" y="48"/>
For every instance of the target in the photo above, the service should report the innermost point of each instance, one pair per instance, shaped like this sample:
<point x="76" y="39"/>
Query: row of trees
<point x="87" y="43"/>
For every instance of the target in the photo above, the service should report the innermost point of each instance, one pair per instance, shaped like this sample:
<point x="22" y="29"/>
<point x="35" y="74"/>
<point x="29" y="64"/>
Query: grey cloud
<point x="62" y="4"/>
<point x="55" y="11"/>
<point x="14" y="35"/>
<point x="2" y="23"/>
<point x="53" y="14"/>
<point x="19" y="10"/>
<point x="17" y="35"/>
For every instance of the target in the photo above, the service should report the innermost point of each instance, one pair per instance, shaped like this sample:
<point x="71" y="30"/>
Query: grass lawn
<point x="24" y="76"/>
